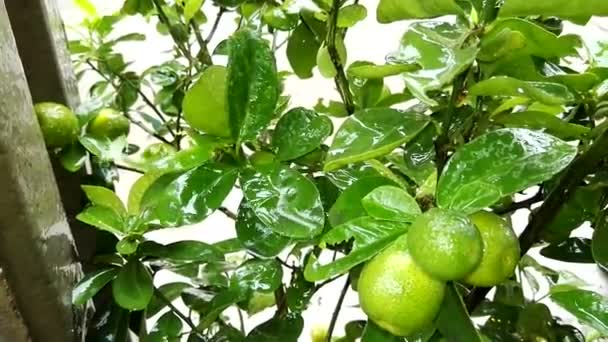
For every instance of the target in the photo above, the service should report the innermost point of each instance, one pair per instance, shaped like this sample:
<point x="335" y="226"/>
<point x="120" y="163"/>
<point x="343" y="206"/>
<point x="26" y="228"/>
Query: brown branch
<point x="522" y="204"/>
<point x="330" y="40"/>
<point x="334" y="316"/>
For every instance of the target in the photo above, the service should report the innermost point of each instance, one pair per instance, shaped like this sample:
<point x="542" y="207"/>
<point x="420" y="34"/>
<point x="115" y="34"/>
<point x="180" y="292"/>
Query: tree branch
<point x="162" y="16"/>
<point x="522" y="204"/>
<point x="228" y="213"/>
<point x="184" y="318"/>
<point x="216" y="24"/>
<point x="330" y="40"/>
<point x="334" y="316"/>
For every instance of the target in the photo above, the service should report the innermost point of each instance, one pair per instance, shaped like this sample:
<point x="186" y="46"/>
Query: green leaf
<point x="257" y="237"/>
<point x="88" y="286"/>
<point x="302" y="48"/>
<point x="438" y="49"/>
<point x="191" y="7"/>
<point x="73" y="158"/>
<point x="599" y="244"/>
<point x="278" y="329"/>
<point x="105" y="149"/>
<point x="285" y="201"/>
<point x="587" y="306"/>
<point x="498" y="164"/>
<point x="393" y="10"/>
<point x="571" y="250"/>
<point x="333" y="108"/>
<point x="280" y="19"/>
<point x="370" y="236"/>
<point x="299" y="292"/>
<point x="192" y="196"/>
<point x="252" y="87"/>
<point x="86" y="7"/>
<point x="372" y="133"/>
<point x="373" y="333"/>
<point x="454" y="320"/>
<point x="349" y="15"/>
<point x="132" y="7"/>
<point x="306" y="127"/>
<point x="204" y="104"/>
<point x="366" y="92"/>
<point x="170" y="291"/>
<point x="130" y="37"/>
<point x="127" y="91"/>
<point x="535" y="322"/>
<point x="103" y="218"/>
<point x="380" y="71"/>
<point x="544" y="92"/>
<point x="229" y="246"/>
<point x="566" y="9"/>
<point x="104" y="197"/>
<point x="543" y="121"/>
<point x="391" y="203"/>
<point x="227" y="333"/>
<point x="418" y="161"/>
<point x="182" y="251"/>
<point x="348" y="206"/>
<point x="168" y="326"/>
<point x="258" y="275"/>
<point x="183" y="160"/>
<point x="110" y="324"/>
<point x="133" y="288"/>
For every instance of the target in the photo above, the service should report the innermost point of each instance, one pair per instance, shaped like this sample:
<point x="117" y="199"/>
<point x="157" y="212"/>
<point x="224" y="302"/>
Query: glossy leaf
<point x="257" y="237"/>
<point x="299" y="292"/>
<point x="167" y="326"/>
<point x="104" y="197"/>
<point x="391" y="203"/>
<point x="498" y="164"/>
<point x="560" y="8"/>
<point x="219" y="303"/>
<point x="306" y="127"/>
<point x="191" y="197"/>
<point x="258" y="275"/>
<point x="182" y="251"/>
<point x="183" y="160"/>
<point x="302" y="48"/>
<point x="285" y="201"/>
<point x="170" y="291"/>
<point x="544" y="92"/>
<point x="454" y="320"/>
<point x="393" y="10"/>
<point x="572" y="250"/>
<point x="372" y="133"/>
<point x="348" y="206"/>
<point x="599" y="244"/>
<point x="370" y="237"/>
<point x="418" y="156"/>
<point x="228" y="246"/>
<point x="227" y="333"/>
<point x="110" y="324"/>
<point x="73" y="158"/>
<point x="133" y="287"/>
<point x="588" y="307"/>
<point x="350" y="15"/>
<point x="380" y="71"/>
<point x="91" y="284"/>
<point x="437" y="48"/>
<point x="543" y="121"/>
<point x="278" y="329"/>
<point x="252" y="87"/>
<point x="366" y="91"/>
<point x="102" y="218"/>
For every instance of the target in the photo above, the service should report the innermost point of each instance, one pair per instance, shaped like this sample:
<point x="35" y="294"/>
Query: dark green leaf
<point x="104" y="197"/>
<point x="498" y="164"/>
<point x="278" y="329"/>
<point x="419" y="156"/>
<point x="170" y="291"/>
<point x="133" y="287"/>
<point x="252" y="87"/>
<point x="366" y="92"/>
<point x="302" y="48"/>
<point x="348" y="205"/>
<point x="373" y="333"/>
<point x="372" y="133"/>
<point x="228" y="333"/>
<point x="130" y="37"/>
<point x="168" y="326"/>
<point x="110" y="324"/>
<point x="599" y="245"/>
<point x="73" y="158"/>
<point x="589" y="307"/>
<point x="91" y="284"/>
<point x="544" y="92"/>
<point x="334" y="108"/>
<point x="229" y="246"/>
<point x="280" y="19"/>
<point x="572" y="250"/>
<point x="370" y="237"/>
<point x="132" y="7"/>
<point x="393" y="10"/>
<point x="285" y="201"/>
<point x="306" y="127"/>
<point x="258" y="275"/>
<point x="560" y="8"/>
<point x="182" y="251"/>
<point x="103" y="218"/>
<point x="535" y="323"/>
<point x="257" y="237"/>
<point x="543" y="121"/>
<point x="453" y="320"/>
<point x="391" y="203"/>
<point x="219" y="303"/>
<point x="127" y="91"/>
<point x="299" y="292"/>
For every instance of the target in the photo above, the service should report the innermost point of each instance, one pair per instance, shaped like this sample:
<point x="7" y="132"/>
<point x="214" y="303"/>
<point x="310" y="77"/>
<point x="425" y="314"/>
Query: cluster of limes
<point x="402" y="288"/>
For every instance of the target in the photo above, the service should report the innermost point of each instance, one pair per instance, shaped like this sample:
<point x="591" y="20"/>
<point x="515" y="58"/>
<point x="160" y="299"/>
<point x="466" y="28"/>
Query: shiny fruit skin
<point x="58" y="124"/>
<point x="109" y="123"/>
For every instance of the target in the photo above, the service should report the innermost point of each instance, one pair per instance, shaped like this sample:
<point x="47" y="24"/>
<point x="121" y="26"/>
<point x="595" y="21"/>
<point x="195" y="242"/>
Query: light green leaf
<point x="73" y="157"/>
<point x="545" y="92"/>
<point x="349" y="15"/>
<point x="257" y="237"/>
<point x="104" y="197"/>
<point x="393" y="10"/>
<point x="302" y="48"/>
<point x="258" y="275"/>
<point x="560" y="8"/>
<point x="306" y="127"/>
<point x="182" y="160"/>
<point x="133" y="288"/>
<point x="191" y="7"/>
<point x="91" y="284"/>
<point x="252" y="88"/>
<point x="105" y="149"/>
<point x="500" y="163"/>
<point x="437" y="48"/>
<point x="589" y="307"/>
<point x="543" y="122"/>
<point x="204" y="104"/>
<point x="391" y="203"/>
<point x="380" y="71"/>
<point x="370" y="237"/>
<point x="86" y="7"/>
<point x="103" y="218"/>
<point x="372" y="133"/>
<point x="285" y="201"/>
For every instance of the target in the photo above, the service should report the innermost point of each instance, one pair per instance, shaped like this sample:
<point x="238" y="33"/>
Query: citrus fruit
<point x="396" y="293"/>
<point x="500" y="250"/>
<point x="259" y="301"/>
<point x="58" y="123"/>
<point x="204" y="104"/>
<point x="109" y="123"/>
<point x="445" y="244"/>
<point x="157" y="151"/>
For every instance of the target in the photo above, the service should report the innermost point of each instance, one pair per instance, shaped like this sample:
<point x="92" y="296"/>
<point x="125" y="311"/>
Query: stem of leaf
<point x="228" y="213"/>
<point x="443" y="140"/>
<point x="334" y="316"/>
<point x="340" y="79"/>
<point x="176" y="311"/>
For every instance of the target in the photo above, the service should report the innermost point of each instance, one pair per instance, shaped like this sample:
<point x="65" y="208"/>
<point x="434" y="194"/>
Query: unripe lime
<point x="58" y="123"/>
<point x="109" y="123"/>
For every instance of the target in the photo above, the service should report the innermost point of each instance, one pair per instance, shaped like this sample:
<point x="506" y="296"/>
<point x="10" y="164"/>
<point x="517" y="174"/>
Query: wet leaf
<point x="227" y="333"/>
<point x="599" y="245"/>
<point x="372" y="133"/>
<point x="170" y="291"/>
<point x="348" y="175"/>
<point x="393" y="10"/>
<point x="544" y="92"/>
<point x="191" y="7"/>
<point x="350" y="15"/>
<point x="103" y="218"/>
<point x="257" y="237"/>
<point x="278" y="329"/>
<point x="252" y="87"/>
<point x="284" y="200"/>
<point x="588" y="307"/>
<point x="302" y="48"/>
<point x="182" y="251"/>
<point x="303" y="126"/>
<point x="133" y="288"/>
<point x="110" y="324"/>
<point x="498" y="164"/>
<point x="88" y="286"/>
<point x="391" y="203"/>
<point x="258" y="275"/>
<point x="168" y="326"/>
<point x="418" y="162"/>
<point x="373" y="71"/>
<point x="454" y="320"/>
<point x="104" y="197"/>
<point x="73" y="158"/>
<point x="543" y="121"/>
<point x="571" y="250"/>
<point x="560" y="8"/>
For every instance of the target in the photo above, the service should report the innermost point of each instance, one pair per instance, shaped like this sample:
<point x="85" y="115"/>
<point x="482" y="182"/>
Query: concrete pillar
<point x="37" y="252"/>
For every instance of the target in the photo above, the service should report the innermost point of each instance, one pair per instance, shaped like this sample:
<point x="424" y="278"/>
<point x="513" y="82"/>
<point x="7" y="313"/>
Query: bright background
<point x="368" y="40"/>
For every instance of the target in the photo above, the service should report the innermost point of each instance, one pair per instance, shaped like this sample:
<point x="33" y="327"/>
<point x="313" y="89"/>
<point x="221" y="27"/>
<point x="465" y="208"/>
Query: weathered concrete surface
<point x="12" y="327"/>
<point x="36" y="247"/>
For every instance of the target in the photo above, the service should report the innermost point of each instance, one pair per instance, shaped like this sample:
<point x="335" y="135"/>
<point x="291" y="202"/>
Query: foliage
<point x="490" y="107"/>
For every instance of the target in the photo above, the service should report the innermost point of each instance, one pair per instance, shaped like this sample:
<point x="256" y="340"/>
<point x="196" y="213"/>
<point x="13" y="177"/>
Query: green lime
<point x="58" y="123"/>
<point x="109" y="123"/>
<point x="445" y="244"/>
<point x="500" y="250"/>
<point x="258" y="301"/>
<point x="204" y="104"/>
<point x="157" y="151"/>
<point x="397" y="294"/>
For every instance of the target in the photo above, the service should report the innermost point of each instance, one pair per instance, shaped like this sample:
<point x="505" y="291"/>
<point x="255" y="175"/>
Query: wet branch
<point x="340" y="79"/>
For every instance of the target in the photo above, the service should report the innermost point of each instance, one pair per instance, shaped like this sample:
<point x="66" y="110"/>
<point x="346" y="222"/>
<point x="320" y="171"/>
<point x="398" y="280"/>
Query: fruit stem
<point x="334" y="316"/>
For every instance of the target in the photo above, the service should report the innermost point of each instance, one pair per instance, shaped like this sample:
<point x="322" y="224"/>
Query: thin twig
<point x="340" y="79"/>
<point x="282" y="262"/>
<point x="241" y="321"/>
<point x="216" y="24"/>
<point x="522" y="204"/>
<point x="334" y="316"/>
<point x="228" y="213"/>
<point x="320" y="285"/>
<point x="128" y="168"/>
<point x="184" y="318"/>
<point x="165" y="20"/>
<point x="204" y="52"/>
